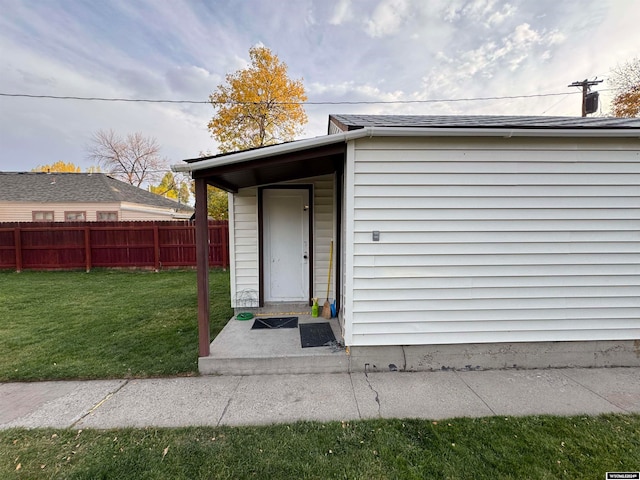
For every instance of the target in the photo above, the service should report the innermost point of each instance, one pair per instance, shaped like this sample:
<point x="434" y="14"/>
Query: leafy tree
<point x="172" y="187"/>
<point x="217" y="202"/>
<point x="58" y="167"/>
<point x="625" y="80"/>
<point x="134" y="159"/>
<point x="627" y="104"/>
<point x="258" y="105"/>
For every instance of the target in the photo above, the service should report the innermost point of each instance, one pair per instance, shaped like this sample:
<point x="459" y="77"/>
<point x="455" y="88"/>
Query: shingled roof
<point x="77" y="187"/>
<point x="354" y="122"/>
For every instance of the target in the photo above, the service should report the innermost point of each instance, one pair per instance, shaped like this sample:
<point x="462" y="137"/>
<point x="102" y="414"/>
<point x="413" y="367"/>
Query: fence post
<point x="156" y="247"/>
<point x="211" y="251"/>
<point x="17" y="235"/>
<point x="87" y="248"/>
<point x="224" y="234"/>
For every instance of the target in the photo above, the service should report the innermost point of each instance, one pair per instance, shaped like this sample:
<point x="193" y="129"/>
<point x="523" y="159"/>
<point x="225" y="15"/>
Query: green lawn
<point x="485" y="448"/>
<point x="112" y="324"/>
<point x="103" y="324"/>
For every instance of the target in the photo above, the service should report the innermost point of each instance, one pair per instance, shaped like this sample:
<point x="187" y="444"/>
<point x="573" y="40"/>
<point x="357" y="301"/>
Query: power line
<point x="557" y="103"/>
<point x="441" y="100"/>
<point x="354" y="102"/>
<point x="99" y="99"/>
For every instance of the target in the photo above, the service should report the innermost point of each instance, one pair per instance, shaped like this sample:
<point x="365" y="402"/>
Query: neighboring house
<point x="67" y="197"/>
<point x="460" y="241"/>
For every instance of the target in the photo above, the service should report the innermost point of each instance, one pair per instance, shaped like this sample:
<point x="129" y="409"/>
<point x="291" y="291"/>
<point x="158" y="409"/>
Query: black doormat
<point x="316" y="334"/>
<point x="275" y="322"/>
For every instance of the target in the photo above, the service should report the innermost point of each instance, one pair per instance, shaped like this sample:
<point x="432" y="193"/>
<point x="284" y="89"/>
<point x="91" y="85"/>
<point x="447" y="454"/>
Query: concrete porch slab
<point x="239" y="350"/>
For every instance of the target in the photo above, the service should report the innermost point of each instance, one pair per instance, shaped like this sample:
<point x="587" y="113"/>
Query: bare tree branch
<point x="134" y="159"/>
<point x="625" y="80"/>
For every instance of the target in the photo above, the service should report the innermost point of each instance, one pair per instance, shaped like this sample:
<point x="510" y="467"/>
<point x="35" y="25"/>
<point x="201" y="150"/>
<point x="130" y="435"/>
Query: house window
<point x="42" y="216"/>
<point x="107" y="216"/>
<point x="75" y="216"/>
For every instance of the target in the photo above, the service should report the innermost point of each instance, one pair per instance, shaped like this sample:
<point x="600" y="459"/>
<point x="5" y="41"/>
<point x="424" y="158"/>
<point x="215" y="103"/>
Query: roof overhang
<point x="269" y="168"/>
<point x="324" y="155"/>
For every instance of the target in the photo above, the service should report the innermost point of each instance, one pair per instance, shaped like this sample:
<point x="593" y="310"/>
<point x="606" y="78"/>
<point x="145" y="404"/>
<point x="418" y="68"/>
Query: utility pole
<point x="586" y="87"/>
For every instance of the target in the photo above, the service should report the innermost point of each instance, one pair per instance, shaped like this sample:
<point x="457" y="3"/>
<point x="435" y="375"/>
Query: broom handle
<point x="330" y="265"/>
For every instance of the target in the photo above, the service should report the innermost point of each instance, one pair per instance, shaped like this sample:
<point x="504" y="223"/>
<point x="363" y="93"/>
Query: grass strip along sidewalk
<point x="482" y="448"/>
<point x="103" y="324"/>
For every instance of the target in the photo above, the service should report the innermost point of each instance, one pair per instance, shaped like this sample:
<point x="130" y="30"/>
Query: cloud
<point x="30" y="79"/>
<point x="475" y="9"/>
<point x="490" y="58"/>
<point x="354" y="92"/>
<point x="191" y="81"/>
<point x="484" y="12"/>
<point x="310" y="18"/>
<point x="387" y="18"/>
<point x="516" y="47"/>
<point x="341" y="13"/>
<point x="140" y="82"/>
<point x="499" y="16"/>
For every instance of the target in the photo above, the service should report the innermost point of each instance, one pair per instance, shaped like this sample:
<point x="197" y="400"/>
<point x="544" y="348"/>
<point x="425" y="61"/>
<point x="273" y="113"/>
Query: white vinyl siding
<point x="492" y="240"/>
<point x="323" y="229"/>
<point x="243" y="220"/>
<point x="243" y="216"/>
<point x="333" y="128"/>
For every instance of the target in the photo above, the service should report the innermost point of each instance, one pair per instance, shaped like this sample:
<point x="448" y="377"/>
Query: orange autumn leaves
<point x="257" y="106"/>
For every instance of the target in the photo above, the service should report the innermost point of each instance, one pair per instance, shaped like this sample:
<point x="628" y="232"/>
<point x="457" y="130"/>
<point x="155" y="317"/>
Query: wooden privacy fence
<point x="75" y="245"/>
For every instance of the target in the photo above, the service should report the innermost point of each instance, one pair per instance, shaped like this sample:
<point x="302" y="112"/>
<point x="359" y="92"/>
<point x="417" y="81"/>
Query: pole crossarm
<point x="586" y="87"/>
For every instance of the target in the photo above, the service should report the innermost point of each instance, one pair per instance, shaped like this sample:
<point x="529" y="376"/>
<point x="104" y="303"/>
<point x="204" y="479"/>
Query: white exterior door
<point x="286" y="245"/>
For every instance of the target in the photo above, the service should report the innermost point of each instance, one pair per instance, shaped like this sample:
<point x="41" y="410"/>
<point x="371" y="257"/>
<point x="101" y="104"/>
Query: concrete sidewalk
<point x="265" y="399"/>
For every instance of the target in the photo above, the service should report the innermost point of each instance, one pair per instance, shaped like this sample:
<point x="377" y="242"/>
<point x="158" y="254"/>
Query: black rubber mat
<point x="275" y="322"/>
<point x="316" y="334"/>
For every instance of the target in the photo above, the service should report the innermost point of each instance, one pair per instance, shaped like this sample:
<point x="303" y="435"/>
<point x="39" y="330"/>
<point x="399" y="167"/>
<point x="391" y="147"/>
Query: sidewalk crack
<point x="377" y="397"/>
<point x="594" y="392"/>
<point x="474" y="392"/>
<point x="224" y="411"/>
<point x="404" y="357"/>
<point x="99" y="404"/>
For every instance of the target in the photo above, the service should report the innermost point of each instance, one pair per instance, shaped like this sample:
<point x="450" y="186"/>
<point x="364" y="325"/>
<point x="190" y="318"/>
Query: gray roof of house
<point x="77" y="187"/>
<point x="353" y="122"/>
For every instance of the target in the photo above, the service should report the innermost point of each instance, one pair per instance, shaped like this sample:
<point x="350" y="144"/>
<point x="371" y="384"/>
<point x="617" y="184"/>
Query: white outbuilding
<point x="458" y="240"/>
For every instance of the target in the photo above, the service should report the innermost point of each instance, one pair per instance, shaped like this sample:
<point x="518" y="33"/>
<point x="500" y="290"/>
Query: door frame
<point x="309" y="189"/>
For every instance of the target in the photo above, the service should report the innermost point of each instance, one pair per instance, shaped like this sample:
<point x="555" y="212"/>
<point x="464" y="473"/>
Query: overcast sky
<point x="344" y="50"/>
